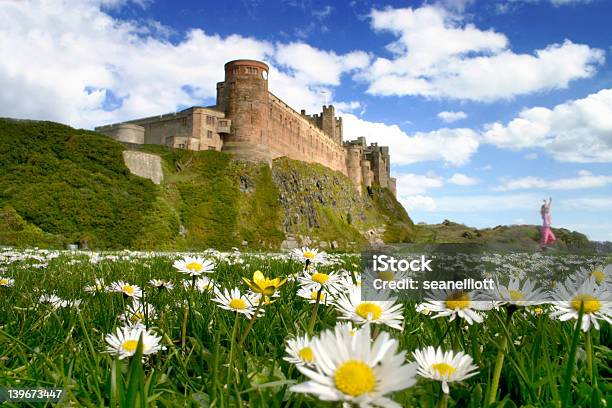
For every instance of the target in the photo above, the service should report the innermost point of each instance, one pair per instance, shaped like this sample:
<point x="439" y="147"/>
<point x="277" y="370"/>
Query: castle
<point x="252" y="124"/>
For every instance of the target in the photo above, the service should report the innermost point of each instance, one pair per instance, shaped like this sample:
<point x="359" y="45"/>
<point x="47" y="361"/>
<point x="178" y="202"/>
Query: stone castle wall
<point x="253" y="124"/>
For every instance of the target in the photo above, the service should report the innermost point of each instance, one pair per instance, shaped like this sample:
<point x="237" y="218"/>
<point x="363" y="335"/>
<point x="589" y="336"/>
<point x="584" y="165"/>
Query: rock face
<point x="144" y="165"/>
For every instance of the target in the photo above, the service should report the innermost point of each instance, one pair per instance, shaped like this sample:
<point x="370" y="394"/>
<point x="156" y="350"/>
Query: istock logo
<point x="383" y="263"/>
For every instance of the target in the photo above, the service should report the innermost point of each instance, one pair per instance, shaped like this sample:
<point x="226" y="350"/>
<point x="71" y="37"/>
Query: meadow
<point x="281" y="340"/>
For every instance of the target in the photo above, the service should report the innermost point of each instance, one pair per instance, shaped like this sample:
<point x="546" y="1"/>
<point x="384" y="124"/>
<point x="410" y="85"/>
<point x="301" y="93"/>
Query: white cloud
<point x="418" y="202"/>
<point x="412" y="184"/>
<point x="589" y="203"/>
<point x="574" y="131"/>
<point x="452" y="146"/>
<point x="463" y="180"/>
<point x="317" y="67"/>
<point x="531" y="156"/>
<point x="583" y="181"/>
<point x="488" y="203"/>
<point x="71" y="62"/>
<point x="437" y="54"/>
<point x="451" y="116"/>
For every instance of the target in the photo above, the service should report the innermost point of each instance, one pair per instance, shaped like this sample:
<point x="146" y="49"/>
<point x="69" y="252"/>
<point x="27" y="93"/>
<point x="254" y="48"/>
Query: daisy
<point x="309" y="255"/>
<point x="384" y="311"/>
<point x="262" y="285"/>
<point x="299" y="351"/>
<point x="602" y="276"/>
<point x="354" y="369"/>
<point x="311" y="293"/>
<point x="522" y="295"/>
<point x="456" y="303"/>
<point x="444" y="366"/>
<point x="194" y="266"/>
<point x="58" y="303"/>
<point x="331" y="282"/>
<point x="597" y="302"/>
<point x="234" y="301"/>
<point x="97" y="287"/>
<point x="127" y="289"/>
<point x="124" y="341"/>
<point x="202" y="284"/>
<point x="137" y="311"/>
<point x="6" y="282"/>
<point x="161" y="284"/>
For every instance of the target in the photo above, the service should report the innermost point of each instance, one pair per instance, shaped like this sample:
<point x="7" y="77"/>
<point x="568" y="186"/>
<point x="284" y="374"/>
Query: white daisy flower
<point x="311" y="293"/>
<point x="299" y="351"/>
<point x="57" y="303"/>
<point x="385" y="311"/>
<point x="330" y="282"/>
<point x="517" y="294"/>
<point x="161" y="284"/>
<point x="128" y="290"/>
<point x="234" y="301"/>
<point x="136" y="311"/>
<point x="601" y="275"/>
<point x="202" y="284"/>
<point x="309" y="255"/>
<point x="597" y="301"/>
<point x="456" y="303"/>
<point x="97" y="287"/>
<point x="194" y="266"/>
<point x="354" y="369"/>
<point x="125" y="341"/>
<point x="444" y="366"/>
<point x="6" y="282"/>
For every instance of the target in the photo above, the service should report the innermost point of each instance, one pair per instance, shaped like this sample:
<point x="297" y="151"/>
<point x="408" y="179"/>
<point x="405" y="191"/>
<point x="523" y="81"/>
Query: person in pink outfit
<point x="547" y="237"/>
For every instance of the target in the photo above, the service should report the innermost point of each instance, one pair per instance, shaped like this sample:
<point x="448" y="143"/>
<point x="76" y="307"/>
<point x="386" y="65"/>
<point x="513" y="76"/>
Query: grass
<point x="43" y="347"/>
<point x="60" y="185"/>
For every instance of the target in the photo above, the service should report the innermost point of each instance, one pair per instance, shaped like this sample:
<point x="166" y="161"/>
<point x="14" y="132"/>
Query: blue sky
<point x="488" y="106"/>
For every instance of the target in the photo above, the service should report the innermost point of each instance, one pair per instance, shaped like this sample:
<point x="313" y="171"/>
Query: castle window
<point x="184" y="121"/>
<point x="211" y="148"/>
<point x="181" y="145"/>
<point x="210" y="120"/>
<point x="223" y="123"/>
<point x="209" y="134"/>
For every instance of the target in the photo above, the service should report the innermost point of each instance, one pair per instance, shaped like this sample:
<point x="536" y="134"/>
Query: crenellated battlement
<point x="252" y="124"/>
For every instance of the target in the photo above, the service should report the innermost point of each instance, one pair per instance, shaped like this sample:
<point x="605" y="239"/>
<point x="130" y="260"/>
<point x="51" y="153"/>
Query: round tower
<point x="246" y="105"/>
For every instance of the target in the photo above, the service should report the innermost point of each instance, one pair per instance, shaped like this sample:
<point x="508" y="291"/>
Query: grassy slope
<point x="59" y="185"/>
<point x="522" y="236"/>
<point x="69" y="183"/>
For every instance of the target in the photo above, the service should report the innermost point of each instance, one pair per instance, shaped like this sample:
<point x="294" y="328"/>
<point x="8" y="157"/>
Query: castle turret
<point x="353" y="165"/>
<point x="245" y="96"/>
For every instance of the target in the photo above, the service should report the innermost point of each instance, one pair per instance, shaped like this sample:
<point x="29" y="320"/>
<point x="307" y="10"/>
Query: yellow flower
<point x="265" y="286"/>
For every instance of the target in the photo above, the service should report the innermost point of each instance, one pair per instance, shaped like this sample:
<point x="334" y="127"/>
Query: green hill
<point x="59" y="185"/>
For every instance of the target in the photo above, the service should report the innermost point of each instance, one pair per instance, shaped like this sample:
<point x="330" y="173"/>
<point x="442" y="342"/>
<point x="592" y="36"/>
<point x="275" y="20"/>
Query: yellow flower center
<point x="444" y="369"/>
<point x="306" y="354"/>
<point x="237" y="304"/>
<point x="458" y="300"/>
<point x="599" y="276"/>
<point x="130" y="345"/>
<point x="137" y="316"/>
<point x="194" y="266"/>
<point x="355" y="378"/>
<point x="367" y="309"/>
<point x="128" y="289"/>
<point x="313" y="295"/>
<point x="591" y="303"/>
<point x="309" y="255"/>
<point x="4" y="281"/>
<point x="515" y="295"/>
<point x="320" y="277"/>
<point x="538" y="310"/>
<point x="386" y="276"/>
